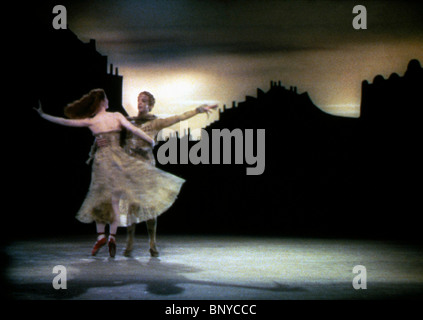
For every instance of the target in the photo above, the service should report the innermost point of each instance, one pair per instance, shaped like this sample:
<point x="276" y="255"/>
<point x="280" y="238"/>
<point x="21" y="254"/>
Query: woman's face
<point x="105" y="103"/>
<point x="143" y="107"/>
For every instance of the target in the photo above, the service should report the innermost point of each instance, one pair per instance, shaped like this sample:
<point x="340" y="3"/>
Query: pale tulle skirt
<point x="144" y="191"/>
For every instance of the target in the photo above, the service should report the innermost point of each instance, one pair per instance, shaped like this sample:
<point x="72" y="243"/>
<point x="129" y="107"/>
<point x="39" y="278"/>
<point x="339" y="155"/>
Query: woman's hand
<point x="62" y="121"/>
<point x="206" y="109"/>
<point x="39" y="109"/>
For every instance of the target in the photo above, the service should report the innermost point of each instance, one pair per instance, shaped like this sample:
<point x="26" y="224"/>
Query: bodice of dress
<point x="112" y="138"/>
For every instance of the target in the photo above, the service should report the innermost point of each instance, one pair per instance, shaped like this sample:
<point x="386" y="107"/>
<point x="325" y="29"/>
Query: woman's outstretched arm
<point x="63" y="121"/>
<point x="136" y="131"/>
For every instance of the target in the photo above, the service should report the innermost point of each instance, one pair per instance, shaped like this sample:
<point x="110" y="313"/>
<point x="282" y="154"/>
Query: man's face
<point x="143" y="107"/>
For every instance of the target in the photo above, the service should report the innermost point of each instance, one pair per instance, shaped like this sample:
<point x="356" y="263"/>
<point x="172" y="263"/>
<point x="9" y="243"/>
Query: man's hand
<point x="206" y="109"/>
<point x="102" y="142"/>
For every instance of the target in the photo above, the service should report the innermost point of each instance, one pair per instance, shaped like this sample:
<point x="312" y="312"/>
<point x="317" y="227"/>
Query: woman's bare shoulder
<point x="117" y="115"/>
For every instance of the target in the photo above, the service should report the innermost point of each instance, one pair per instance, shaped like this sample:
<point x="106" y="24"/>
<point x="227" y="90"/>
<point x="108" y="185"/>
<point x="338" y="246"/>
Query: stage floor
<point x="211" y="268"/>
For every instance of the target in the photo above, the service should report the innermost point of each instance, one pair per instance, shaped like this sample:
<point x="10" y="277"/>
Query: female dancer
<point x="118" y="180"/>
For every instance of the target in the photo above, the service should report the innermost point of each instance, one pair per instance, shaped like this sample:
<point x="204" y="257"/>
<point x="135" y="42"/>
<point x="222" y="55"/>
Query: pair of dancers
<point x="126" y="188"/>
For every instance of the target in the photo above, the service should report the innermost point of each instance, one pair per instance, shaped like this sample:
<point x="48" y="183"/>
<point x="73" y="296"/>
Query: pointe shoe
<point x="101" y="242"/>
<point x="112" y="247"/>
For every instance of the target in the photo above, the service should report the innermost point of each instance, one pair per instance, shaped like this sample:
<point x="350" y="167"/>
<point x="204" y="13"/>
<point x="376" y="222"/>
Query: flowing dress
<point x="144" y="191"/>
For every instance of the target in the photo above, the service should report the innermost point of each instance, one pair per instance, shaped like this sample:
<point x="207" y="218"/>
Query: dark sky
<point x="189" y="52"/>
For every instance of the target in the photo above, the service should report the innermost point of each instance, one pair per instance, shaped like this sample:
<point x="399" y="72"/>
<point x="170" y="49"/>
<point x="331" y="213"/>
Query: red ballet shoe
<point x="112" y="246"/>
<point x="101" y="242"/>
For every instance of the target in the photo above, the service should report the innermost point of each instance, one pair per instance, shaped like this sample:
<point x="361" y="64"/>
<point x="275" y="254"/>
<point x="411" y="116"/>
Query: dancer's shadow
<point x="125" y="278"/>
<point x="102" y="278"/>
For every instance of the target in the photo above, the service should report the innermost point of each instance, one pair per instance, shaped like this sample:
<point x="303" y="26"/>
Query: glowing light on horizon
<point x="343" y="110"/>
<point x="332" y="78"/>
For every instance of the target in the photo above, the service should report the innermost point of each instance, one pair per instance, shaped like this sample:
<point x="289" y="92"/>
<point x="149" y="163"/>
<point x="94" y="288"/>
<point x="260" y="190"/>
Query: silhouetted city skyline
<point x="321" y="169"/>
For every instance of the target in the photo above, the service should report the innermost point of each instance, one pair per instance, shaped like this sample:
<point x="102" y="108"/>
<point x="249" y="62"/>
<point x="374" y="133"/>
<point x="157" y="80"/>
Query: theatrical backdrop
<point x="326" y="174"/>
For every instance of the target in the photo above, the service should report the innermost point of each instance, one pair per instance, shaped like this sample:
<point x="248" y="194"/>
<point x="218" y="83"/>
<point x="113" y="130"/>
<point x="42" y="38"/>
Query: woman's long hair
<point x="87" y="106"/>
